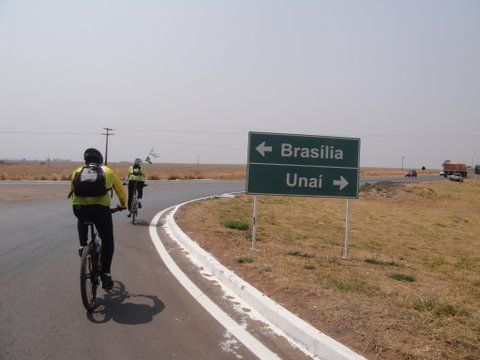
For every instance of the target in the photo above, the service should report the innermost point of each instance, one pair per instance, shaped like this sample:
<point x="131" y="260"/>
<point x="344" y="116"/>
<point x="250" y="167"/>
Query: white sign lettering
<point x="322" y="152"/>
<point x="293" y="180"/>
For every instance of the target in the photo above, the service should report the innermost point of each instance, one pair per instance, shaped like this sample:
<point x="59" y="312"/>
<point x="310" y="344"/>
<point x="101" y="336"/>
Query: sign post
<point x="347" y="230"/>
<point x="254" y="227"/>
<point x="303" y="165"/>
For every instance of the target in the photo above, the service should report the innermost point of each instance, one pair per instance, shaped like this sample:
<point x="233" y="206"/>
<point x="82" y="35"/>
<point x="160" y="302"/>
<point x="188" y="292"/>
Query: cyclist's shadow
<point x="114" y="307"/>
<point x="141" y="222"/>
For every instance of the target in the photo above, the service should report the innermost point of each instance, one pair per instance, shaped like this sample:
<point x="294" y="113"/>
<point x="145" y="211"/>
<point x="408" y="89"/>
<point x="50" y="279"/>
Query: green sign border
<point x="350" y="146"/>
<point x="285" y="165"/>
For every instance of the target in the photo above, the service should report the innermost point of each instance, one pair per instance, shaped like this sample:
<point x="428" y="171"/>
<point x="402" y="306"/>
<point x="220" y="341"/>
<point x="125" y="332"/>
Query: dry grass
<point x="33" y="170"/>
<point x="52" y="170"/>
<point x="411" y="287"/>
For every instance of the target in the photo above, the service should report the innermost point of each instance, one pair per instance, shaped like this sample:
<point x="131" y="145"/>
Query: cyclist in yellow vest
<point x="136" y="177"/>
<point x="90" y="190"/>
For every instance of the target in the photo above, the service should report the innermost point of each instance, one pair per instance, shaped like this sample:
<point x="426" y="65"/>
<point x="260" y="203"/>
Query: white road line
<point x="255" y="346"/>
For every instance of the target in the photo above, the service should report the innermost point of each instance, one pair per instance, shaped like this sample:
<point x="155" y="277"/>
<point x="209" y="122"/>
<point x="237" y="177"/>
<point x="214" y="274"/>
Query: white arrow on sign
<point x="342" y="182"/>
<point x="262" y="148"/>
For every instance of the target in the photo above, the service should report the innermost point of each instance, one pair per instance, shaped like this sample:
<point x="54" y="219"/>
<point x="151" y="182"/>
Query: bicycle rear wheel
<point x="89" y="277"/>
<point x="134" y="205"/>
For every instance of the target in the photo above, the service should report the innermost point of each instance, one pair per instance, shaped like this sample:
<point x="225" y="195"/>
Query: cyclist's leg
<point x="131" y="186"/>
<point x="80" y="212"/>
<point x="140" y="188"/>
<point x="104" y="224"/>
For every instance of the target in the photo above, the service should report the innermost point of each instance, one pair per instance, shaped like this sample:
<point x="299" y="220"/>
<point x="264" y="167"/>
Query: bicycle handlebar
<point x="116" y="209"/>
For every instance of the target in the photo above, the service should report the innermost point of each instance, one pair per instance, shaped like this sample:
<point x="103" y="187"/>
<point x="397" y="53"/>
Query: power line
<point x="47" y="133"/>
<point x="195" y="132"/>
<point x="421" y="136"/>
<point x="362" y="135"/>
<point x="245" y="132"/>
<point x="180" y="142"/>
<point x="39" y="132"/>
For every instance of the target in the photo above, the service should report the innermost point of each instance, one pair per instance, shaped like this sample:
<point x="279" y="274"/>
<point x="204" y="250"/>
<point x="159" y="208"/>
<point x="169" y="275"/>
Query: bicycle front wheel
<point x="134" y="215"/>
<point x="88" y="277"/>
<point x="134" y="206"/>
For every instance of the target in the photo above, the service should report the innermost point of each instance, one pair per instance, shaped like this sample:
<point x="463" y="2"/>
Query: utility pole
<point x="403" y="157"/>
<point x="107" y="134"/>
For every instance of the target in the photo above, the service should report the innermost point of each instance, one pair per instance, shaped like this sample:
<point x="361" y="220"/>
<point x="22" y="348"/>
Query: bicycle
<point x="135" y="204"/>
<point x="90" y="266"/>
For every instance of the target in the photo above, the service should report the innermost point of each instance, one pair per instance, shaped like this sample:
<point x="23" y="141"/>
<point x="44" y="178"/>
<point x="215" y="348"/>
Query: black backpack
<point x="136" y="169"/>
<point x="90" y="181"/>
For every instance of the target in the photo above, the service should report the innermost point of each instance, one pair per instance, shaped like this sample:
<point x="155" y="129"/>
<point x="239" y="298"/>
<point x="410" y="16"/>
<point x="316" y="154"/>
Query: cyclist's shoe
<point x="107" y="282"/>
<point x="129" y="214"/>
<point x="80" y="251"/>
<point x="139" y="205"/>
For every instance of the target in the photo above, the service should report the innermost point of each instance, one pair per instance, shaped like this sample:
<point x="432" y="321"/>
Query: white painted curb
<point x="305" y="336"/>
<point x="232" y="327"/>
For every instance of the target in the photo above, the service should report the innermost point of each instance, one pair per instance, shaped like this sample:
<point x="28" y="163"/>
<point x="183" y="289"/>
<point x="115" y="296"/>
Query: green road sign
<point x="303" y="165"/>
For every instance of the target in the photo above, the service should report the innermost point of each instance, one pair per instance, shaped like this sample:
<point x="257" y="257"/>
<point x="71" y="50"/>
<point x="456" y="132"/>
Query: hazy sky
<point x="191" y="78"/>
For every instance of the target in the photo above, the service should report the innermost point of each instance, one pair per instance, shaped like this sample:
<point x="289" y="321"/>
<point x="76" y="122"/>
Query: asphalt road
<point x="149" y="315"/>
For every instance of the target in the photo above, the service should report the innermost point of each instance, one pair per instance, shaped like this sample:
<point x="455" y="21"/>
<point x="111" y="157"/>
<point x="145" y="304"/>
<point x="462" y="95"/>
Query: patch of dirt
<point x="384" y="188"/>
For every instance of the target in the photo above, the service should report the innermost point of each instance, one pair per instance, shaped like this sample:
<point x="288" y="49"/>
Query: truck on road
<point x="451" y="167"/>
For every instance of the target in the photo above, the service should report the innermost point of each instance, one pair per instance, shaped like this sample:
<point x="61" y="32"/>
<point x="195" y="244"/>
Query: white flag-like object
<point x="152" y="153"/>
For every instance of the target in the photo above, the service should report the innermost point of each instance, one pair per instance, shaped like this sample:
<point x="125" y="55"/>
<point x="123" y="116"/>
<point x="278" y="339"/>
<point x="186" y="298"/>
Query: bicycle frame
<point x="135" y="199"/>
<point x="90" y="266"/>
<point x="134" y="203"/>
<point x="96" y="245"/>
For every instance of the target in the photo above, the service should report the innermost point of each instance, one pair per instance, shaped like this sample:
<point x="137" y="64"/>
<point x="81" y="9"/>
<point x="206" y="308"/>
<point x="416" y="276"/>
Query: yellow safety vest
<point x="139" y="177"/>
<point x="111" y="181"/>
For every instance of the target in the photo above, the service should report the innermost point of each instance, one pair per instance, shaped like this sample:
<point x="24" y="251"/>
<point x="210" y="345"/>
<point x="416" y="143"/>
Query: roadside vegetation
<point x="410" y="288"/>
<point x="61" y="170"/>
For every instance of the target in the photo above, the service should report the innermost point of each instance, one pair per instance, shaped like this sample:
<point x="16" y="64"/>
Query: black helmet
<point x="92" y="156"/>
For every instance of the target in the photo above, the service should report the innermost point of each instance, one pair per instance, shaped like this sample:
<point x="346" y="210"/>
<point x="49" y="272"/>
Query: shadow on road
<point x="125" y="308"/>
<point x="141" y="222"/>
